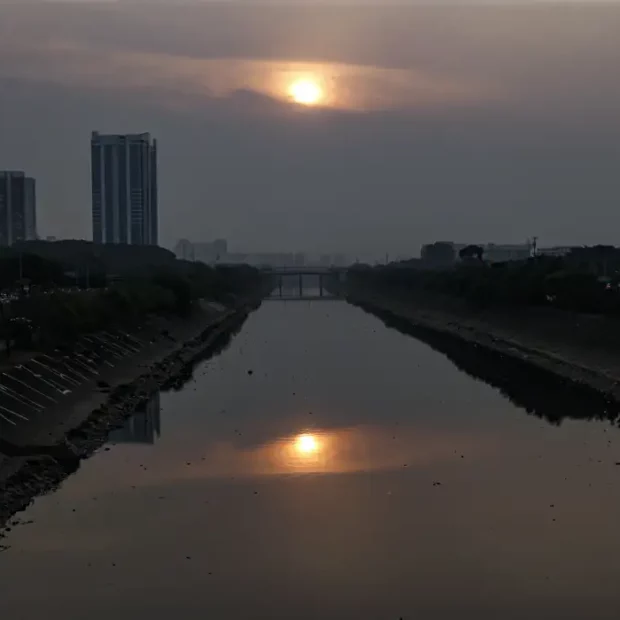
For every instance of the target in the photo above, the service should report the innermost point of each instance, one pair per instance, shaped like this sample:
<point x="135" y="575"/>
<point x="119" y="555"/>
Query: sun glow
<point x="306" y="92"/>
<point x="306" y="444"/>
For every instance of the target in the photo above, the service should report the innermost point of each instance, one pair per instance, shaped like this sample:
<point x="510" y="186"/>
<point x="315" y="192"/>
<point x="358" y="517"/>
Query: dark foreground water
<point x="327" y="466"/>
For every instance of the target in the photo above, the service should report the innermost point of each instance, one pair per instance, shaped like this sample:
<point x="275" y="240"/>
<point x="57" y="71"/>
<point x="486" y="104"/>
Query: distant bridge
<point x="329" y="280"/>
<point x="304" y="270"/>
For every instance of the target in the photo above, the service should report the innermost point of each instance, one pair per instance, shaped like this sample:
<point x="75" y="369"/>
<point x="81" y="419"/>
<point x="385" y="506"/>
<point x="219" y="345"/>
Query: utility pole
<point x="20" y="282"/>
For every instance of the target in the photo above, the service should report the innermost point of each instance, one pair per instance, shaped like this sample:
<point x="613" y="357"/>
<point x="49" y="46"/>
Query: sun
<point x="306" y="92"/>
<point x="306" y="444"/>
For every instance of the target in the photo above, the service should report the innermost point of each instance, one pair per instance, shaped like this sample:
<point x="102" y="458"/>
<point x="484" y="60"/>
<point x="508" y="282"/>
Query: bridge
<point x="329" y="279"/>
<point x="305" y="270"/>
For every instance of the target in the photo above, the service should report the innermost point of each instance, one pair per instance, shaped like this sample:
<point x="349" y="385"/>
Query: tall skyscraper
<point x="18" y="220"/>
<point x="124" y="188"/>
<point x="30" y="193"/>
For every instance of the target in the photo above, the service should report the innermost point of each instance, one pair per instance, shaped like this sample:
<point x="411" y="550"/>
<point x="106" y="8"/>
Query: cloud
<point x="196" y="80"/>
<point x="370" y="57"/>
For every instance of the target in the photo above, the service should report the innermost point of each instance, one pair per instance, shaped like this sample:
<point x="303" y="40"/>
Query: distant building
<point x="17" y="207"/>
<point x="271" y="259"/>
<point x="220" y="247"/>
<point x="502" y="253"/>
<point x="124" y="189"/>
<point x="458" y="247"/>
<point x="211" y="252"/>
<point x="445" y="253"/>
<point x="554" y="251"/>
<point x="235" y="258"/>
<point x="184" y="250"/>
<point x="30" y="192"/>
<point x="439" y="254"/>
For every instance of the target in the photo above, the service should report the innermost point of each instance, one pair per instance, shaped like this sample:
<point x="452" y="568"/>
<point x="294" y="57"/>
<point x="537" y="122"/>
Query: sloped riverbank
<point x="565" y="354"/>
<point x="42" y="446"/>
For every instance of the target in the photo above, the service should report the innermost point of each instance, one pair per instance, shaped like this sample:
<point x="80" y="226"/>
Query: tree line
<point x="44" y="305"/>
<point x="587" y="279"/>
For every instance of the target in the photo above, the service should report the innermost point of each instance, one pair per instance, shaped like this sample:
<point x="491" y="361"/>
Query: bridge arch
<point x="329" y="279"/>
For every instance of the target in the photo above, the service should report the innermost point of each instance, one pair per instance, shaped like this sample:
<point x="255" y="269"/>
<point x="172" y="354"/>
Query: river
<point x="327" y="466"/>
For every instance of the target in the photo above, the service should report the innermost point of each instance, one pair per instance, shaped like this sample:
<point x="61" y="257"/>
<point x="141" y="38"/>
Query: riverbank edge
<point x="458" y="328"/>
<point x="40" y="475"/>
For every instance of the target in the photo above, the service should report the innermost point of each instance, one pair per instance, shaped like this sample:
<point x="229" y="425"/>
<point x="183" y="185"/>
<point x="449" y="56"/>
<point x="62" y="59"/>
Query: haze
<point x="460" y="123"/>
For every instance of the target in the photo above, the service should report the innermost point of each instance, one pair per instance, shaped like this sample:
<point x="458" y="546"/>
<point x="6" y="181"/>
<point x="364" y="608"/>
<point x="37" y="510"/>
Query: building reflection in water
<point x="144" y="426"/>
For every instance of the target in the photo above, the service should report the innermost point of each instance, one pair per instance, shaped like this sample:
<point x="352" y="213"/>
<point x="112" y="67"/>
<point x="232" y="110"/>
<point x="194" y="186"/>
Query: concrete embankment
<point x="58" y="408"/>
<point x="577" y="348"/>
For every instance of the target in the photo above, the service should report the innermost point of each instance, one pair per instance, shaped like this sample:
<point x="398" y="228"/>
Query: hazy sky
<point x="461" y="123"/>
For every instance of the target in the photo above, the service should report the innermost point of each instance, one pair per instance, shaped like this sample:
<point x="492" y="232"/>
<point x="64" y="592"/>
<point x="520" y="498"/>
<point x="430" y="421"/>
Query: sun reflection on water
<point x="364" y="448"/>
<point x="307" y="451"/>
<point x="341" y="450"/>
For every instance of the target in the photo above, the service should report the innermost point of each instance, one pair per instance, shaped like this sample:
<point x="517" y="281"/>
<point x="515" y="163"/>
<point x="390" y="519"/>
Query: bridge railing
<point x="306" y="269"/>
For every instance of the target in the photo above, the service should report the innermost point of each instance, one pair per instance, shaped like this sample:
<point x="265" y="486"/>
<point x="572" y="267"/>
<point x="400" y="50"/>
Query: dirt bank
<point x="578" y="348"/>
<point x="38" y="453"/>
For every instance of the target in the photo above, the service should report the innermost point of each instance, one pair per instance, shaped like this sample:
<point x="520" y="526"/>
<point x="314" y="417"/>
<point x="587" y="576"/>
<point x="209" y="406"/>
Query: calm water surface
<point x="325" y="466"/>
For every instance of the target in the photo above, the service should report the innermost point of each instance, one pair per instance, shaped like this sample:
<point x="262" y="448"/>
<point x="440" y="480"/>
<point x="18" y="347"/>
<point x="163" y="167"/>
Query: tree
<point x="471" y="251"/>
<point x="439" y="254"/>
<point x="602" y="260"/>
